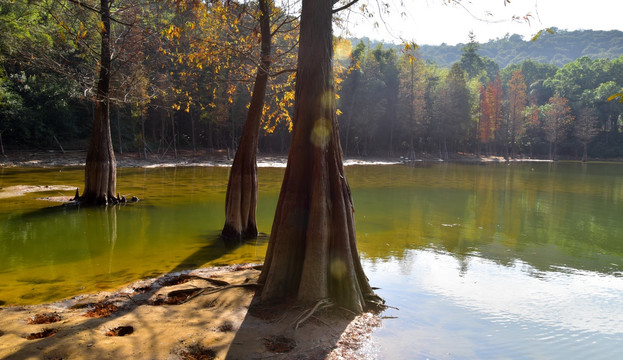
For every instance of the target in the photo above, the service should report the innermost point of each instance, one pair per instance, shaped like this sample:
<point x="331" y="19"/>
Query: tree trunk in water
<point x="312" y="252"/>
<point x="241" y="198"/>
<point x="101" y="165"/>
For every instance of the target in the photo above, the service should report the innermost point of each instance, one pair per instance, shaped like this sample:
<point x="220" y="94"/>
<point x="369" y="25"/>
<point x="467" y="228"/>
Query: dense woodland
<point x="183" y="71"/>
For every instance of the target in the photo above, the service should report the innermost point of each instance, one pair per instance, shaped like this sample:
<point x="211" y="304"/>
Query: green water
<point x="484" y="261"/>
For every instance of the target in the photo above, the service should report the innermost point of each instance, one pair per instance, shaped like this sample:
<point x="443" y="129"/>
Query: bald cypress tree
<point x="312" y="252"/>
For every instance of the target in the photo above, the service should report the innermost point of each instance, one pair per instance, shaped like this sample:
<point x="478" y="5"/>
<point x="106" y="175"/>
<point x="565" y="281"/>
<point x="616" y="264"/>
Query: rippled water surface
<point x="520" y="261"/>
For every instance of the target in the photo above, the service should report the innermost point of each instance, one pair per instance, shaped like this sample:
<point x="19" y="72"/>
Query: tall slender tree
<point x="312" y="252"/>
<point x="484" y="121"/>
<point x="585" y="128"/>
<point x="517" y="100"/>
<point x="494" y="99"/>
<point x="452" y="109"/>
<point x="100" y="174"/>
<point x="241" y="198"/>
<point x="557" y="119"/>
<point x="411" y="97"/>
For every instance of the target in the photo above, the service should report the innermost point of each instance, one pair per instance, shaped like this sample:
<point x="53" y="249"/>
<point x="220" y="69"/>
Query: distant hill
<point x="558" y="48"/>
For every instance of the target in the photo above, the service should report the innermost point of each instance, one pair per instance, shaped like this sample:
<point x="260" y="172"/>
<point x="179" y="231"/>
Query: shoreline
<point x="205" y="313"/>
<point x="77" y="158"/>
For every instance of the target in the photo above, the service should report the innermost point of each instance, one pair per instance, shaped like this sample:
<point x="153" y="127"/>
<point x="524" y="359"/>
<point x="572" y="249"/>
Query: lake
<point x="517" y="261"/>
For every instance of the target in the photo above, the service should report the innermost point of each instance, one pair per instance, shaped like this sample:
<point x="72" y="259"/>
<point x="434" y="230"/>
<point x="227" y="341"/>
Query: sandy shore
<point x="204" y="158"/>
<point x="201" y="314"/>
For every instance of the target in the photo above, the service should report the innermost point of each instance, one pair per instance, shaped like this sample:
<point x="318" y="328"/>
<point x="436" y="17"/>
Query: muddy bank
<point x="206" y="313"/>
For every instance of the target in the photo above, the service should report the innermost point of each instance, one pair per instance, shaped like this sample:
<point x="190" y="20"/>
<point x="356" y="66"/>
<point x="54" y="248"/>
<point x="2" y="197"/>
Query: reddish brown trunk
<point x="312" y="253"/>
<point x="241" y="198"/>
<point x="101" y="167"/>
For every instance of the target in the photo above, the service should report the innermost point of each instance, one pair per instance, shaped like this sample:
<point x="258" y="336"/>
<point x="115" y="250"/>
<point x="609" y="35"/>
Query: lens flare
<point x="321" y="132"/>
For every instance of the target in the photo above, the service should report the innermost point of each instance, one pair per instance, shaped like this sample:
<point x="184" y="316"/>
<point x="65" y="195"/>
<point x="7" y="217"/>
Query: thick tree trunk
<point x="312" y="253"/>
<point x="101" y="166"/>
<point x="241" y="198"/>
<point x="585" y="154"/>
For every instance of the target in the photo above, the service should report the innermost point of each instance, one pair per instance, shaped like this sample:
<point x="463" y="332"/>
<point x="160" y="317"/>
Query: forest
<point x="183" y="71"/>
<point x="558" y="48"/>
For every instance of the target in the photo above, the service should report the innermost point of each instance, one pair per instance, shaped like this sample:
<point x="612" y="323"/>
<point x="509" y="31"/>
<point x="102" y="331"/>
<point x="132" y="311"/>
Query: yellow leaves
<point x="172" y="32"/>
<point x="540" y="32"/>
<point x="82" y="32"/>
<point x="101" y="27"/>
<point x="617" y="95"/>
<point x="176" y="107"/>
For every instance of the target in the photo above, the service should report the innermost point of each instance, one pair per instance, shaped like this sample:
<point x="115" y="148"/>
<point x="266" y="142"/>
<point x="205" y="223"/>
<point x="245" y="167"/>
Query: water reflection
<point x="497" y="261"/>
<point x="476" y="308"/>
<point x="542" y="216"/>
<point x="557" y="218"/>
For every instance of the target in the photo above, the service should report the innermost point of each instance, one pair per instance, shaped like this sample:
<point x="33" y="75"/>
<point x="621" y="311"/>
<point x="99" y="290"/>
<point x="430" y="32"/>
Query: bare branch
<point x="345" y="6"/>
<point x="284" y="71"/>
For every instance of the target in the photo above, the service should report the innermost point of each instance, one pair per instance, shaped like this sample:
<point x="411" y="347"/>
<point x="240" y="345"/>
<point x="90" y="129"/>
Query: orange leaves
<point x="516" y="102"/>
<point x="172" y="32"/>
<point x="490" y="109"/>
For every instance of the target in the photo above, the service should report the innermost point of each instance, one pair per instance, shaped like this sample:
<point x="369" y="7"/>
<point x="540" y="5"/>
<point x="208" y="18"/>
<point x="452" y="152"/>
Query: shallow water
<point x="516" y="261"/>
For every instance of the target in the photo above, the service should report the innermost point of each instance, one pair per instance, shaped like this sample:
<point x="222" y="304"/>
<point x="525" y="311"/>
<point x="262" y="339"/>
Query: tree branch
<point x="282" y="72"/>
<point x="96" y="10"/>
<point x="345" y="6"/>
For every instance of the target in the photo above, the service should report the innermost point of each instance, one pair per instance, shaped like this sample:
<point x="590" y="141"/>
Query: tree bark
<point x="241" y="198"/>
<point x="192" y="131"/>
<point x="1" y="144"/>
<point x="172" y="116"/>
<point x="101" y="165"/>
<point x="143" y="140"/>
<point x="119" y="130"/>
<point x="312" y="252"/>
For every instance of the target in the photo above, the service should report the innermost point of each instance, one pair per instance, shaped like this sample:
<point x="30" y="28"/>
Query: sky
<point x="433" y="22"/>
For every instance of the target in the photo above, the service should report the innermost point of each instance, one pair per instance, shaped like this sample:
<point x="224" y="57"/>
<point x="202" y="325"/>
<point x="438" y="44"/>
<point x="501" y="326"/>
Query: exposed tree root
<point x="105" y="200"/>
<point x="306" y="314"/>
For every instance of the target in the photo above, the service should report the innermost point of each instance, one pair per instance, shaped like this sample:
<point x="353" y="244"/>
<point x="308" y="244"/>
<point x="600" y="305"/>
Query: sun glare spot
<point x="327" y="101"/>
<point x="321" y="132"/>
<point x="342" y="49"/>
<point x="338" y="269"/>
